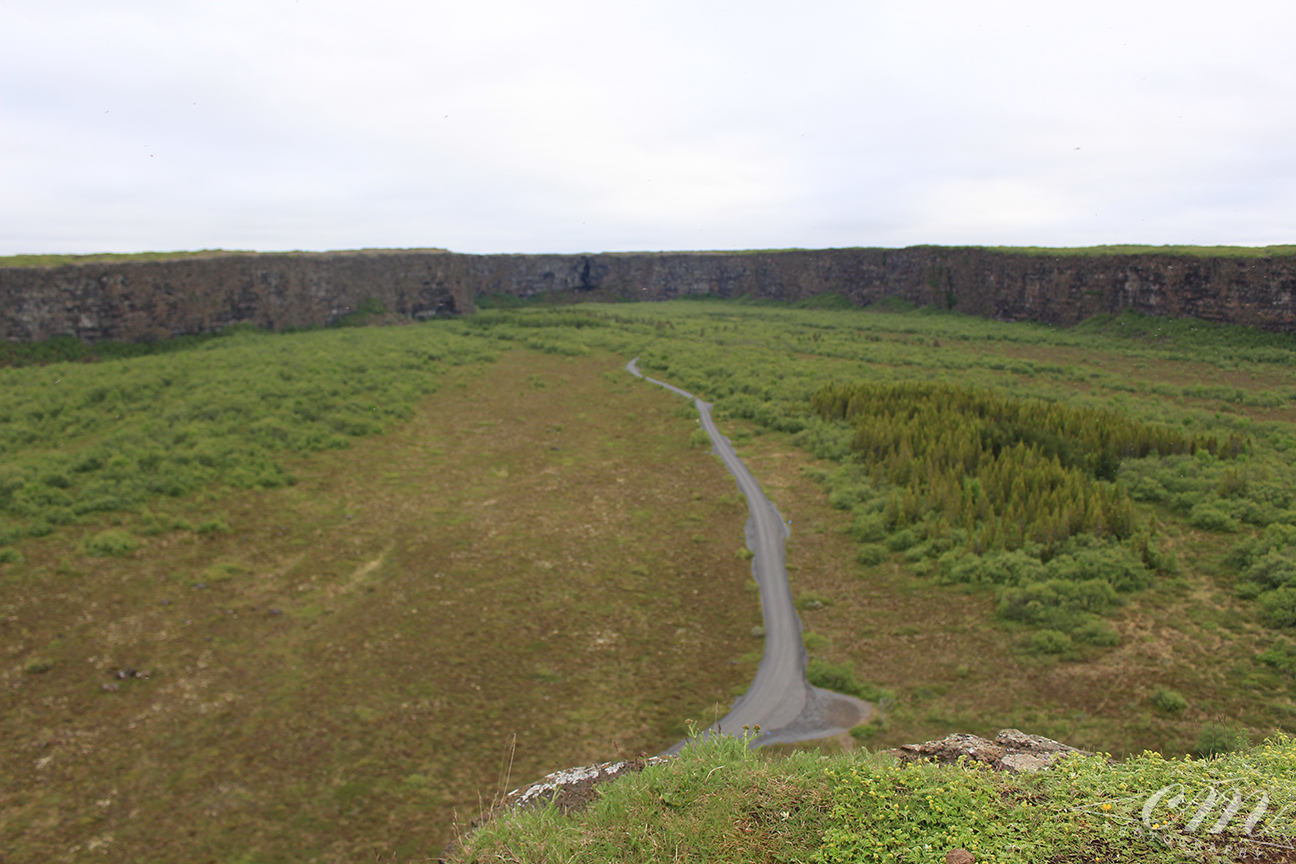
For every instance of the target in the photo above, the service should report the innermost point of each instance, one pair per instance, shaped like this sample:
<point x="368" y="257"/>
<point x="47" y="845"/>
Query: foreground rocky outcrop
<point x="153" y="299"/>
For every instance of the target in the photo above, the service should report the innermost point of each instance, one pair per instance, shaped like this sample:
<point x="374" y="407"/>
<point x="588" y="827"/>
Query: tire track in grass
<point x="780" y="701"/>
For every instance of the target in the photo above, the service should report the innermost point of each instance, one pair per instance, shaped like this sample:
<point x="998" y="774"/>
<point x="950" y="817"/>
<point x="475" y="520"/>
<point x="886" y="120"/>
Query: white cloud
<point x="508" y="126"/>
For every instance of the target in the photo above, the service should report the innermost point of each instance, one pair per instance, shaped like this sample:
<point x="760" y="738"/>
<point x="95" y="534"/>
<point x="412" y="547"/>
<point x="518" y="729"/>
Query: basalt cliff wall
<point x="154" y="299"/>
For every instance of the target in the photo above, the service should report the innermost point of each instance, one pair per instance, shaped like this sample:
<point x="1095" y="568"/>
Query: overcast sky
<point x="499" y="126"/>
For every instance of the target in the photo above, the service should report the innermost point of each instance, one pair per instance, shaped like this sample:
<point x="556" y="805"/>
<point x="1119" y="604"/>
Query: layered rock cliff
<point x="154" y="299"/>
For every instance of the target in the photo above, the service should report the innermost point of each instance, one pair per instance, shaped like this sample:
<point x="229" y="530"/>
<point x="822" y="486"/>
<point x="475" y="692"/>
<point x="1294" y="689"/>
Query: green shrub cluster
<point x="1169" y="701"/>
<point x="841" y="678"/>
<point x="1281" y="656"/>
<point x="1268" y="573"/>
<point x="1006" y="471"/>
<point x="1216" y="495"/>
<point x="975" y="488"/>
<point x="1217" y="739"/>
<point x="1065" y="586"/>
<point x="81" y="438"/>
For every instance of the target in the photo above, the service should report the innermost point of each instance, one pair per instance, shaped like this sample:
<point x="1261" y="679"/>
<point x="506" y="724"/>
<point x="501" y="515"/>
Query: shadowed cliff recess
<point x="157" y="296"/>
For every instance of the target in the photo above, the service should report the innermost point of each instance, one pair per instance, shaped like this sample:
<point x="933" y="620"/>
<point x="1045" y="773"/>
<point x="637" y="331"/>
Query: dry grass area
<point x="538" y="553"/>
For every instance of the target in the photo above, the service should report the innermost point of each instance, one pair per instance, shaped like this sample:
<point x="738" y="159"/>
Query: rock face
<point x="152" y="299"/>
<point x="156" y="299"/>
<point x="1012" y="750"/>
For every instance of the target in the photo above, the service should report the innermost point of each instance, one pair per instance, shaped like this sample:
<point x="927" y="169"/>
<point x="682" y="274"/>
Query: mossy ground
<point x="341" y="668"/>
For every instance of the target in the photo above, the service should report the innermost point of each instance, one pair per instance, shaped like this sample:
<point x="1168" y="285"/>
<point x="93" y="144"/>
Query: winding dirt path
<point x="780" y="701"/>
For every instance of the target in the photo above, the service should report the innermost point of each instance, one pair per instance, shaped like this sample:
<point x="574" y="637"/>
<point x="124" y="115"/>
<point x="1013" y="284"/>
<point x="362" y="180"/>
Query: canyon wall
<point x="154" y="299"/>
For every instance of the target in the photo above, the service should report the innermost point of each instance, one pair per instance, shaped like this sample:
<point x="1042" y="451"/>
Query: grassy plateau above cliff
<point x="355" y="562"/>
<point x="61" y="259"/>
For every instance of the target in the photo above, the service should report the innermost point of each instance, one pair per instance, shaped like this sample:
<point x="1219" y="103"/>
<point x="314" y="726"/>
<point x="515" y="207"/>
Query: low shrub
<point x="1281" y="656"/>
<point x="840" y="677"/>
<point x="1169" y="701"/>
<point x="815" y="641"/>
<point x="869" y="527"/>
<point x="112" y="542"/>
<point x="1217" y="739"/>
<point x="870" y="554"/>
<point x="1278" y="607"/>
<point x="1057" y="603"/>
<point x="1096" y="632"/>
<point x="901" y="540"/>
<point x="812" y="600"/>
<point x="1210" y="517"/>
<point x="1049" y="642"/>
<point x="873" y="727"/>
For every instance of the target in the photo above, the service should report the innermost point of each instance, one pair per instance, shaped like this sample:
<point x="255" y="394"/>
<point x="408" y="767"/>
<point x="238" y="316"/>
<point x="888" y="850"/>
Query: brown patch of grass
<point x="340" y="673"/>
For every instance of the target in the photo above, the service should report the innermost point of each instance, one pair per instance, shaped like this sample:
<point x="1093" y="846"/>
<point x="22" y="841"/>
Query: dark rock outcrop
<point x="154" y="299"/>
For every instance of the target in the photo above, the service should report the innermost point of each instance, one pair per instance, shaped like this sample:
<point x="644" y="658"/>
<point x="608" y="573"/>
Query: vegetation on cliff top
<point x="718" y="801"/>
<point x="1136" y="249"/>
<point x="63" y="259"/>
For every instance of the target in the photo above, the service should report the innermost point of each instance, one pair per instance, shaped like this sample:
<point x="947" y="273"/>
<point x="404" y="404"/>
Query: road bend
<point x="780" y="701"/>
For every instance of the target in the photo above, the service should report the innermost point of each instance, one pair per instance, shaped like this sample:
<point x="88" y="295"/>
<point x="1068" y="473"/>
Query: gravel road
<point x="780" y="700"/>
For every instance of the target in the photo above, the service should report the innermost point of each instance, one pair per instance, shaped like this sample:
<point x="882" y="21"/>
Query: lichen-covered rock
<point x="573" y="789"/>
<point x="1012" y="750"/>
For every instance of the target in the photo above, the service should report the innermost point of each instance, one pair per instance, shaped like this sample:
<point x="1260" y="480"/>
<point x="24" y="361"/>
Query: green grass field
<point x="357" y="562"/>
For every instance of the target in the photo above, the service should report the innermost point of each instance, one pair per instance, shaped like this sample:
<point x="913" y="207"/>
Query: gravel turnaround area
<point x="785" y="706"/>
